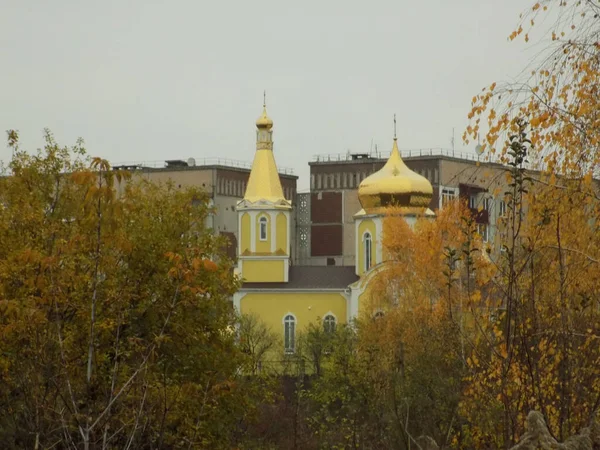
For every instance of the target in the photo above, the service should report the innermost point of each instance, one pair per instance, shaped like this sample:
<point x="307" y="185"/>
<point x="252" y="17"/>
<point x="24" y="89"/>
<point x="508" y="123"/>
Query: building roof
<point x="312" y="277"/>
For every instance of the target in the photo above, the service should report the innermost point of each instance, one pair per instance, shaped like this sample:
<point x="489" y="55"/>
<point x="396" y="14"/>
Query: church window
<point x="378" y="315"/>
<point x="289" y="333"/>
<point x="263" y="228"/>
<point x="329" y="323"/>
<point x="368" y="246"/>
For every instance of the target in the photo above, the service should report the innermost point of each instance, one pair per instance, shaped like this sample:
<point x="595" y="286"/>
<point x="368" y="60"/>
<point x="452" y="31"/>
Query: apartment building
<point x="223" y="179"/>
<point x="324" y="216"/>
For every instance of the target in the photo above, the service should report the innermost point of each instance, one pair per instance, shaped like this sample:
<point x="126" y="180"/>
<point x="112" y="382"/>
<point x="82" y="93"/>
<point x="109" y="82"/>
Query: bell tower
<point x="264" y="215"/>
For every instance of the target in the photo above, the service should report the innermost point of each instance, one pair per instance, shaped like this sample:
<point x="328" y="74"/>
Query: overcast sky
<point x="153" y="80"/>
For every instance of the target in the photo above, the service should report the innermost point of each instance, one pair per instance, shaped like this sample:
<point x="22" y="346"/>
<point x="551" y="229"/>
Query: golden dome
<point x="395" y="185"/>
<point x="264" y="121"/>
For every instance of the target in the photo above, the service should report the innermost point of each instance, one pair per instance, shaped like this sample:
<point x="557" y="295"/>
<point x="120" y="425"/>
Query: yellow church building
<point x="288" y="297"/>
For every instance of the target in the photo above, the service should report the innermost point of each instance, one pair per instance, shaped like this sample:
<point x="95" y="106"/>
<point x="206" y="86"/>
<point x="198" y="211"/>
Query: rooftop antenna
<point x="478" y="148"/>
<point x="452" y="141"/>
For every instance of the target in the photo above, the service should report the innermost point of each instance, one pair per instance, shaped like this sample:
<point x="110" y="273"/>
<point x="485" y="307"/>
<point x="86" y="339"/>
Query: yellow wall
<point x="263" y="246"/>
<point x="263" y="271"/>
<point x="281" y="226"/>
<point x="245" y="233"/>
<point x="307" y="307"/>
<point x="366" y="225"/>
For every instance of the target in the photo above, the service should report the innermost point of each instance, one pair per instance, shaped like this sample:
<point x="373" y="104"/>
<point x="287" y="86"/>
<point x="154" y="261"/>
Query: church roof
<point x="312" y="277"/>
<point x="264" y="184"/>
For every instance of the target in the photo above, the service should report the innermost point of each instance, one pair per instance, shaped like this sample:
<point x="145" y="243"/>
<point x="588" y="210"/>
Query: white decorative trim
<point x="273" y="257"/>
<point x="240" y="234"/>
<point x="259" y="218"/>
<point x="364" y="262"/>
<point x="378" y="240"/>
<point x="356" y="244"/>
<point x="273" y="230"/>
<point x="289" y="314"/>
<point x="237" y="301"/>
<point x="294" y="290"/>
<point x="352" y="310"/>
<point x="293" y="349"/>
<point x="329" y="313"/>
<point x="252" y="230"/>
<point x="288" y="237"/>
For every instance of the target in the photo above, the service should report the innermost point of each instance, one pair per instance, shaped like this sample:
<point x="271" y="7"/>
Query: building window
<point x="368" y="246"/>
<point x="325" y="180"/>
<point x="448" y="195"/>
<point x="378" y="315"/>
<point x="483" y="231"/>
<point x="473" y="201"/>
<point x="502" y="208"/>
<point x="488" y="204"/>
<point x="319" y="181"/>
<point x="312" y="182"/>
<point x="329" y="323"/>
<point x="289" y="333"/>
<point x="263" y="228"/>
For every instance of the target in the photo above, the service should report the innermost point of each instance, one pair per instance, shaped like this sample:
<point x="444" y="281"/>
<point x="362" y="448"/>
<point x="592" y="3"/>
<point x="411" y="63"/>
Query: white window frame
<point x="473" y="201"/>
<point x="329" y="323"/>
<point x="290" y="323"/>
<point x="447" y="192"/>
<point x="263" y="227"/>
<point x="368" y="250"/>
<point x="501" y="208"/>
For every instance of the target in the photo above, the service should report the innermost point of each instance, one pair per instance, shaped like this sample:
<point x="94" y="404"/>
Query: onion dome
<point x="394" y="185"/>
<point x="264" y="121"/>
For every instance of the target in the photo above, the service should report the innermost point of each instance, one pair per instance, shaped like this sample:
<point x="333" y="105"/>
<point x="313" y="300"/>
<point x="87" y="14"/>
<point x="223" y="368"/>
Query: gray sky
<point x="155" y="80"/>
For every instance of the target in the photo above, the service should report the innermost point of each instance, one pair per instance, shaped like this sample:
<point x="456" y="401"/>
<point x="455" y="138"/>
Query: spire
<point x="264" y="183"/>
<point x="395" y="127"/>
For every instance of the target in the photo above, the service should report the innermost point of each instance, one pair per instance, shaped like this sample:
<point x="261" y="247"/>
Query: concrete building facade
<point x="327" y="223"/>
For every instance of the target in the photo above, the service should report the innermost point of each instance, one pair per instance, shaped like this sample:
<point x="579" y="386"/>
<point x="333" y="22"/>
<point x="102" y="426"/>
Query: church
<point x="289" y="297"/>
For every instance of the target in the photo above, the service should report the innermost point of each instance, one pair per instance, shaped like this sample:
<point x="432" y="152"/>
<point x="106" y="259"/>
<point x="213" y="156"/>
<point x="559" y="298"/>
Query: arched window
<point x="263" y="228"/>
<point x="378" y="315"/>
<point x="329" y="323"/>
<point x="289" y="333"/>
<point x="368" y="246"/>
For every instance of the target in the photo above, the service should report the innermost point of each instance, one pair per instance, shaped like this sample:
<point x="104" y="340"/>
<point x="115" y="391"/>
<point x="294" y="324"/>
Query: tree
<point x="257" y="340"/>
<point x="115" y="315"/>
<point x="539" y="352"/>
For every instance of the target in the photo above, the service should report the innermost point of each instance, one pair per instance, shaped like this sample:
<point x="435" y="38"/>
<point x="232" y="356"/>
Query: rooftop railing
<point x="406" y="153"/>
<point x="195" y="162"/>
